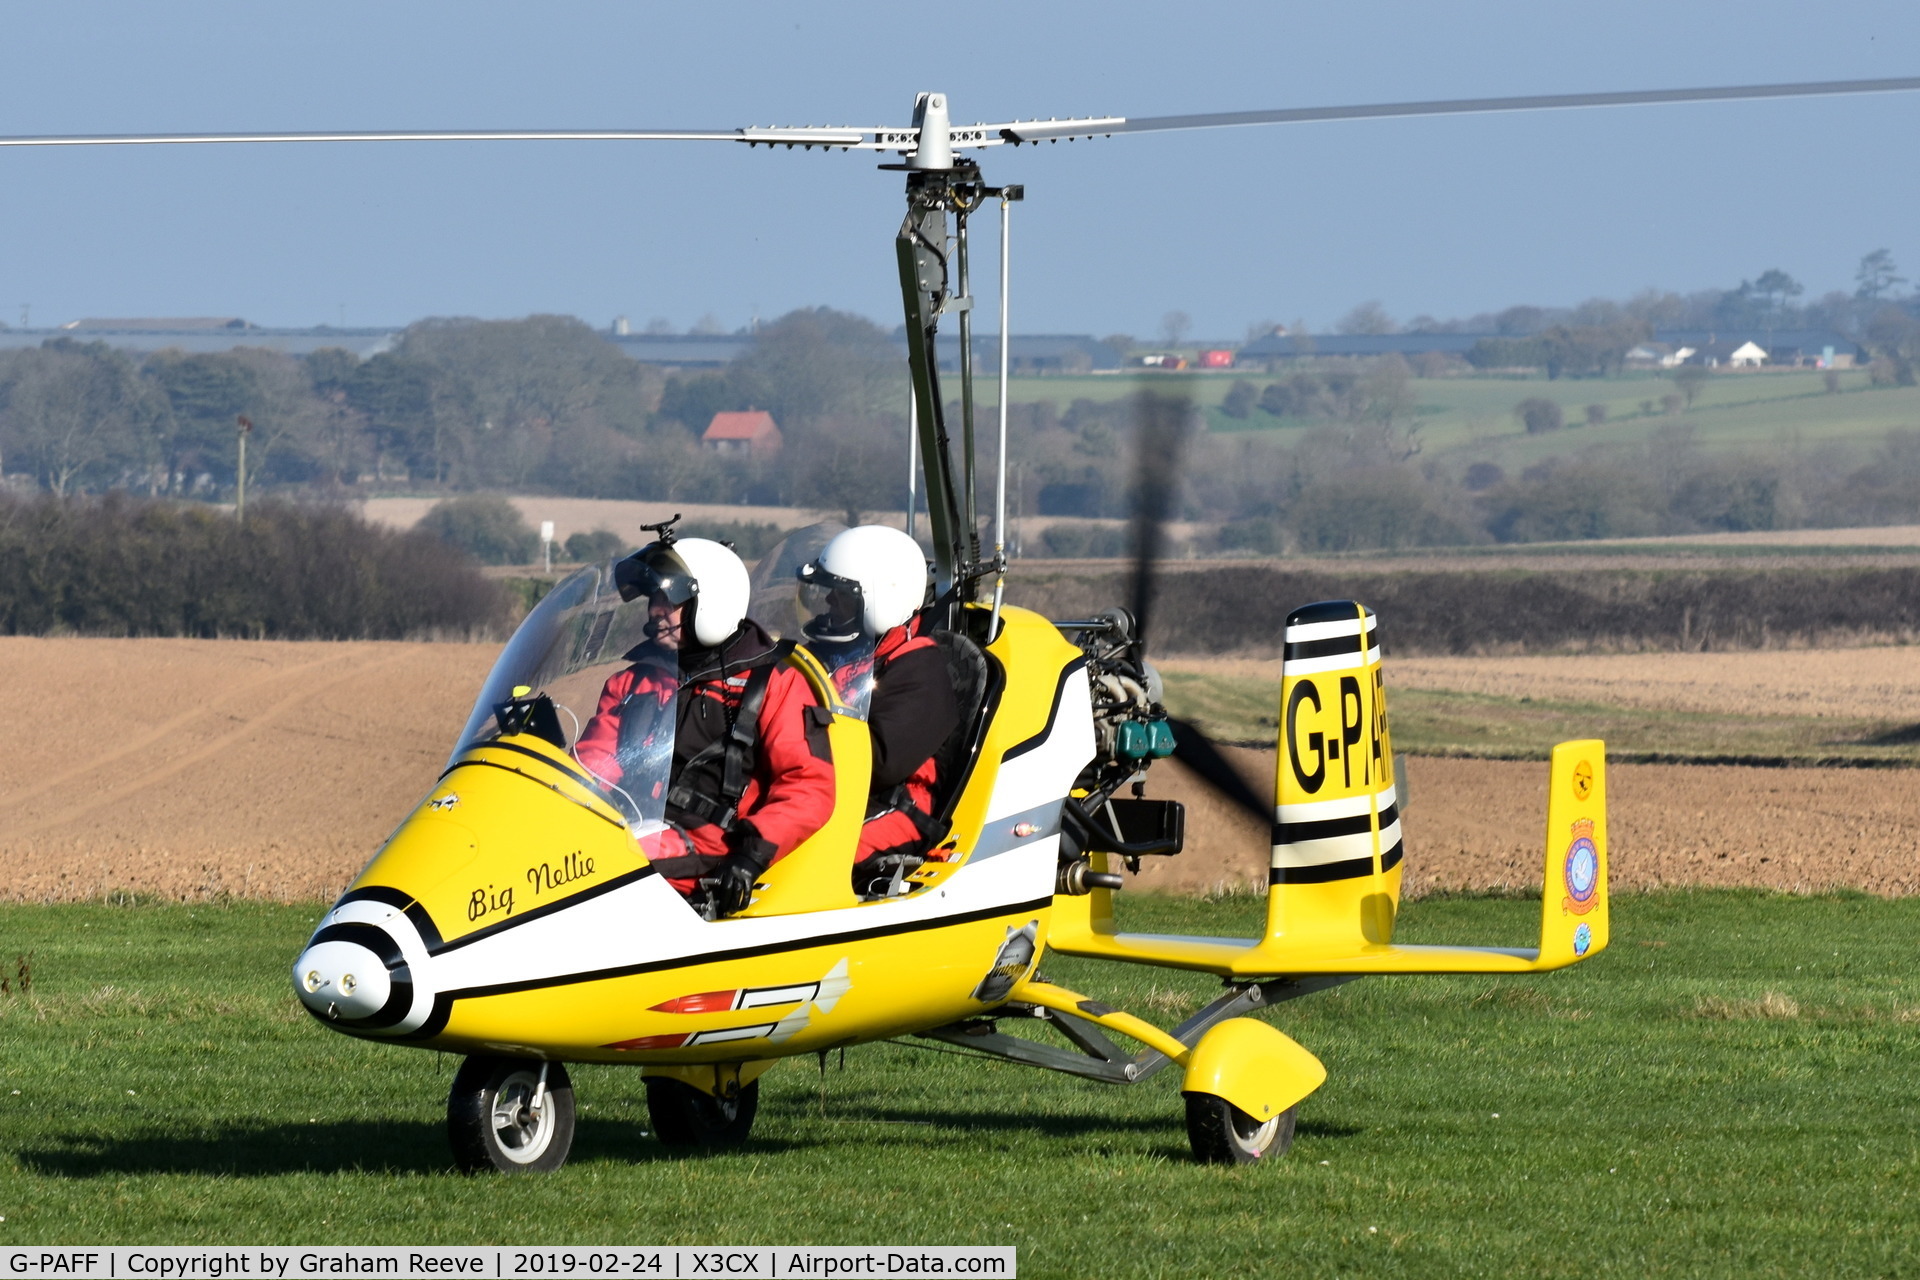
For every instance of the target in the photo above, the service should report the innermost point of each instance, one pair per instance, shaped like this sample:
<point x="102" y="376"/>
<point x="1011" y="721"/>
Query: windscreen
<point x="775" y="603"/>
<point x="573" y="643"/>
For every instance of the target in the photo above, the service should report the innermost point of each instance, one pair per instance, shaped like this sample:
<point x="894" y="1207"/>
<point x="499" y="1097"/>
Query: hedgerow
<point x="131" y="567"/>
<point x="1243" y="608"/>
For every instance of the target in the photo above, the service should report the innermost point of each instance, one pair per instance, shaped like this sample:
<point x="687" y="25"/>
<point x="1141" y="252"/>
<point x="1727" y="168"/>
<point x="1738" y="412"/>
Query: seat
<point x="973" y="683"/>
<point x="975" y="687"/>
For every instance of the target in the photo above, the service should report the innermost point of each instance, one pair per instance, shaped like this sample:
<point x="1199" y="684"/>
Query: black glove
<point x="734" y="879"/>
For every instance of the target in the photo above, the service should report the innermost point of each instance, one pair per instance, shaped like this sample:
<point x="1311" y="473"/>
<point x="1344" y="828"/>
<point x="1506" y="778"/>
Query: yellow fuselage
<point x="515" y="913"/>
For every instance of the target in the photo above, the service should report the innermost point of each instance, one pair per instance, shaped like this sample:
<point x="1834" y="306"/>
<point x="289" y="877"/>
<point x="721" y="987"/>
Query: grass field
<point x="1449" y="707"/>
<point x="1474" y="415"/>
<point x="1728" y="1091"/>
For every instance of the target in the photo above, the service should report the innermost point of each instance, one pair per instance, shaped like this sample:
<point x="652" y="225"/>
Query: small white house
<point x="1677" y="357"/>
<point x="1748" y="355"/>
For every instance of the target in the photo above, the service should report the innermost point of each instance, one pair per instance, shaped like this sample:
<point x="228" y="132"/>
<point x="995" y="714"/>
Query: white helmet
<point x="698" y="572"/>
<point x="884" y="565"/>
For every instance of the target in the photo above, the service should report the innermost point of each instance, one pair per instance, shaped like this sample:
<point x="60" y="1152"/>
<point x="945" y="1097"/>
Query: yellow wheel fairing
<point x="1257" y="1068"/>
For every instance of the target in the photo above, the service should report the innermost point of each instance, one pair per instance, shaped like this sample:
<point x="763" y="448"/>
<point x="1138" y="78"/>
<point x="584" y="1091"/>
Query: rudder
<point x="1337" y="847"/>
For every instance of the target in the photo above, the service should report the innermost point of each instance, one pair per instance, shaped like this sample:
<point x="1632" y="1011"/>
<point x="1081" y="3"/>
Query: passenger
<point x="873" y="581"/>
<point x="751" y="774"/>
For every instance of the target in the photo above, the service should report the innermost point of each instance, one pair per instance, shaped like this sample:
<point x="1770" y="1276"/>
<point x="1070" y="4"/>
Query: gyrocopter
<point x="517" y="919"/>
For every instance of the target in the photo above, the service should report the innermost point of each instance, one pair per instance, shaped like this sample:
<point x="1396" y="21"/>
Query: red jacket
<point x="790" y="794"/>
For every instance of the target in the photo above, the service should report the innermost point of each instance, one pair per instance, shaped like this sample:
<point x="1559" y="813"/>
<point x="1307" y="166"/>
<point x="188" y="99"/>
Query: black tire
<point x="684" y="1116"/>
<point x="1222" y="1133"/>
<point x="491" y="1122"/>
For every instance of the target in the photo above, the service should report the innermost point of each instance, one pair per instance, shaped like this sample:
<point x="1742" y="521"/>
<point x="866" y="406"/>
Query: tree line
<point x="1359" y="479"/>
<point x="541" y="404"/>
<point x="127" y="566"/>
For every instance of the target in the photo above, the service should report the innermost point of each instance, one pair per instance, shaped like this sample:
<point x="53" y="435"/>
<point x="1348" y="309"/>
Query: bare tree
<point x="1690" y="378"/>
<point x="1367" y="318"/>
<point x="1876" y="276"/>
<point x="73" y="411"/>
<point x="1174" y="327"/>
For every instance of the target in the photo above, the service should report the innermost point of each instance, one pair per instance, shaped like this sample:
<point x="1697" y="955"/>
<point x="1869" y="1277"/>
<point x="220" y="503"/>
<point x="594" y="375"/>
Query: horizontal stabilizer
<point x="1573" y="909"/>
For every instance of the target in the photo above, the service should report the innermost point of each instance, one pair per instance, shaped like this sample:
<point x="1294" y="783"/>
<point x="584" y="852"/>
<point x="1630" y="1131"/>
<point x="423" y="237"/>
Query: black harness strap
<point x="900" y="800"/>
<point x="735" y="749"/>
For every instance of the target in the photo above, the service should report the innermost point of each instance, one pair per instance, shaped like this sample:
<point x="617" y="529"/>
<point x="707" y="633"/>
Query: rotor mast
<point x="935" y="281"/>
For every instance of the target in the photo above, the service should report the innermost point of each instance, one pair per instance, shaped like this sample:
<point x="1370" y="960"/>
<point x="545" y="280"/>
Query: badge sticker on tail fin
<point x="1582" y="870"/>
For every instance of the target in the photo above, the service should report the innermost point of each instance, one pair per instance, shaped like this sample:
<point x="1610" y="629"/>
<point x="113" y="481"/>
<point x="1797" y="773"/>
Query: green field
<point x="1472" y="416"/>
<point x="1438" y="722"/>
<point x="1730" y="1090"/>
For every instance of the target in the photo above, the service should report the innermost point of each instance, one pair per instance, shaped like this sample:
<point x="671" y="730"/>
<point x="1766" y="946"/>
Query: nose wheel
<point x="510" y="1115"/>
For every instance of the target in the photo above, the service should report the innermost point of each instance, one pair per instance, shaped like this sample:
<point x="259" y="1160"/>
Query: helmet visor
<point x="833" y="606"/>
<point x="655" y="571"/>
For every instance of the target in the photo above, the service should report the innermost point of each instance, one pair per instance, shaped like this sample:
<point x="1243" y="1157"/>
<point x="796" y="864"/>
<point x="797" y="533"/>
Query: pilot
<point x="874" y="581"/>
<point x="752" y="771"/>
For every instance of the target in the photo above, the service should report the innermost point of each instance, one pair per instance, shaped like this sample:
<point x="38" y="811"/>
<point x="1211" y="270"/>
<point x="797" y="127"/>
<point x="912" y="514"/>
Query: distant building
<point x="1780" y="348"/>
<point x="683" y="350"/>
<point x="1785" y="348"/>
<point x="750" y="433"/>
<point x="158" y="324"/>
<point x="1290" y="346"/>
<point x="204" y="336"/>
<point x="1216" y="359"/>
<point x="1747" y="355"/>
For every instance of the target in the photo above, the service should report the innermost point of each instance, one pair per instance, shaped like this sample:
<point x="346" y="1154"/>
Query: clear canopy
<point x="613" y="691"/>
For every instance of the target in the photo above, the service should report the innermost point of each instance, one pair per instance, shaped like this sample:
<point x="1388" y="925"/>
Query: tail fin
<point x="1335" y="872"/>
<point x="1573" y="901"/>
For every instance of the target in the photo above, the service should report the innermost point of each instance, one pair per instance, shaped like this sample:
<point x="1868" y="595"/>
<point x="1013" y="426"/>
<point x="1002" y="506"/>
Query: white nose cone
<point x="341" y="980"/>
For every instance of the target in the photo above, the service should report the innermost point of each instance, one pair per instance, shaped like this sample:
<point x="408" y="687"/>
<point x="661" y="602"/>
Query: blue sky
<point x="1447" y="216"/>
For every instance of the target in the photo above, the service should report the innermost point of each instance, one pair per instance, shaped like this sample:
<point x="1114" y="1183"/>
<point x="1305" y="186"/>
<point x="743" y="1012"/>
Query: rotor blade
<point x="1015" y="132"/>
<point x="1163" y="424"/>
<point x="1195" y="750"/>
<point x="402" y="135"/>
<point x="1536" y="102"/>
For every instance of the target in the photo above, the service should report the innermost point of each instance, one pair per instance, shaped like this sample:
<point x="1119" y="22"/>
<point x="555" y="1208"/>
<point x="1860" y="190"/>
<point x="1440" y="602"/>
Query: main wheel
<point x="1222" y="1133"/>
<point x="684" y="1116"/>
<point x="498" y="1117"/>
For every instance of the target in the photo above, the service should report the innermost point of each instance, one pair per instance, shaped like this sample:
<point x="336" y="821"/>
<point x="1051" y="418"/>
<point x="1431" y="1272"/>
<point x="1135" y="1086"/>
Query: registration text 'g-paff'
<point x="1334" y="724"/>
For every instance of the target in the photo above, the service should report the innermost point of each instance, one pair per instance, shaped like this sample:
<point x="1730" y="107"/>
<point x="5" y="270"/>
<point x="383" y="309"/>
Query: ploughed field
<point x="192" y="769"/>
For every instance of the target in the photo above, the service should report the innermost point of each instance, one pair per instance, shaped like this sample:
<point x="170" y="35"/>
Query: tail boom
<point x="1573" y="909"/>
